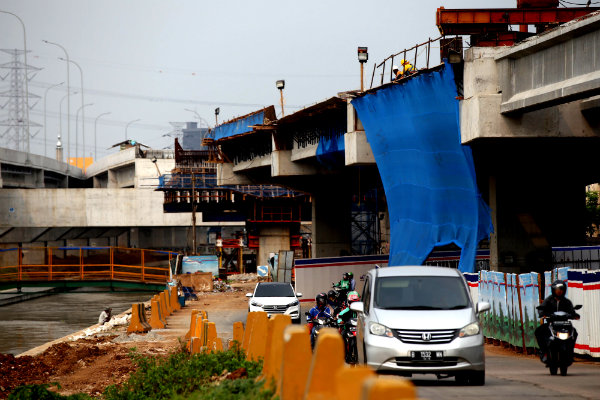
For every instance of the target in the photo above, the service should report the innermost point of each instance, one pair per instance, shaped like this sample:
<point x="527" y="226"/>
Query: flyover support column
<point x="271" y="240"/>
<point x="331" y="222"/>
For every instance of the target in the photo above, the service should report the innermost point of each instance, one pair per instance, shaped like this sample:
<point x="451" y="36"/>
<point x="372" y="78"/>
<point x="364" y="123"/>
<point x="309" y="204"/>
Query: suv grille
<point x="426" y="336"/>
<point x="275" y="309"/>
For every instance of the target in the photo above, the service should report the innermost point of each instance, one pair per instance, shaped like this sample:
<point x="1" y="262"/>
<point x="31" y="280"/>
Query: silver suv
<point x="420" y="320"/>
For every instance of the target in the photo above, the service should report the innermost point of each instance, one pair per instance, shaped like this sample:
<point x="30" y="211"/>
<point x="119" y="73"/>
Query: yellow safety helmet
<point x="404" y="62"/>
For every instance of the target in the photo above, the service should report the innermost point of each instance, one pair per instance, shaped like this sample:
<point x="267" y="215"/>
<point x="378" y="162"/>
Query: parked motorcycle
<point x="561" y="342"/>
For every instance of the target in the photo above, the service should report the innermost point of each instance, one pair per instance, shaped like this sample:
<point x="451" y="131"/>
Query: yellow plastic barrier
<point x="137" y="319"/>
<point x="192" y="329"/>
<point x="348" y="381"/>
<point x="295" y="363"/>
<point x="155" y="321"/>
<point x="389" y="388"/>
<point x="328" y="358"/>
<point x="238" y="333"/>
<point x="257" y="344"/>
<point x="175" y="299"/>
<point x="165" y="304"/>
<point x="274" y="347"/>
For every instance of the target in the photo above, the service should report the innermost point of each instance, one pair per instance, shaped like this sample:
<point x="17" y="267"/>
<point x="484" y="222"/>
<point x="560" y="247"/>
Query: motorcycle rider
<point x="346" y="314"/>
<point x="320" y="310"/>
<point x="334" y="302"/>
<point x="344" y="285"/>
<point x="352" y="281"/>
<point x="555" y="302"/>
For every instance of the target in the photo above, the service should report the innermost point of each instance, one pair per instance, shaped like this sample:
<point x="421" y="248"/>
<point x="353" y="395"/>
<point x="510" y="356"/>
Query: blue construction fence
<point x="514" y="298"/>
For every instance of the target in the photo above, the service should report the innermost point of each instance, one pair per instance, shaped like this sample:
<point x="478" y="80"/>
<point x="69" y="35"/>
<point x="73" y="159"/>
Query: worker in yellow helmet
<point x="407" y="68"/>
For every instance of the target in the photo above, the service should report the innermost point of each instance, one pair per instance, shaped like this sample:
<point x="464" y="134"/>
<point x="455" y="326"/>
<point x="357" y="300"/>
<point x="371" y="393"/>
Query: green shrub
<point x="182" y="374"/>
<point x="41" y="392"/>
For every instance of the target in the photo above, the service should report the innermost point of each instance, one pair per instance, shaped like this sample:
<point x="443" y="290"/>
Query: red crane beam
<point x="477" y="21"/>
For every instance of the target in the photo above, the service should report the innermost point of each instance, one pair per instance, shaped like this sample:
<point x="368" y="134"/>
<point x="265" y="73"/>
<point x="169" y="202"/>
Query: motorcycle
<point x="315" y="325"/>
<point x="561" y="341"/>
<point x="348" y="331"/>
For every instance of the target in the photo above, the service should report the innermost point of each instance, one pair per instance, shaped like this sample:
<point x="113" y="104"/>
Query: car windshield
<point x="421" y="293"/>
<point x="274" y="290"/>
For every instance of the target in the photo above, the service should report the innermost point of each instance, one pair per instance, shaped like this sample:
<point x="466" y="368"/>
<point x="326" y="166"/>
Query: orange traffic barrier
<point x="328" y="358"/>
<point x="163" y="299"/>
<point x="192" y="329"/>
<point x="168" y="301"/>
<point x="257" y="344"/>
<point x="155" y="321"/>
<point x="274" y="348"/>
<point x="348" y="381"/>
<point x="143" y="316"/>
<point x="218" y="344"/>
<point x="295" y="363"/>
<point x="250" y="321"/>
<point x="136" y="324"/>
<point x="161" y="307"/>
<point x="388" y="387"/>
<point x="210" y="334"/>
<point x="195" y="345"/>
<point x="175" y="299"/>
<point x="238" y="333"/>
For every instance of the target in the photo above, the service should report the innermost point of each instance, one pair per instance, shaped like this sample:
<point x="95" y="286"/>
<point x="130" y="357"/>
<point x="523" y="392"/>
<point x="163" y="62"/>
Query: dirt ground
<point x="90" y="365"/>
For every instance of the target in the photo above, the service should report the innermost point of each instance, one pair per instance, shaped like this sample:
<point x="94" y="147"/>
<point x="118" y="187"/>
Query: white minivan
<point x="420" y="320"/>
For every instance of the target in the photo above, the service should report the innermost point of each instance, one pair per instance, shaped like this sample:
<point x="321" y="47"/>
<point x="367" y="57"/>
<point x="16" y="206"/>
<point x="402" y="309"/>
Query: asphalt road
<point x="516" y="377"/>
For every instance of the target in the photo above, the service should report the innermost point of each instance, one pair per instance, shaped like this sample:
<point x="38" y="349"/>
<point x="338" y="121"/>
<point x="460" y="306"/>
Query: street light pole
<point x="280" y="84"/>
<point x="68" y="99"/>
<point x="82" y="102"/>
<point x="26" y="76"/>
<point x="77" y="135"/>
<point x="95" y="126"/>
<point x="60" y="121"/>
<point x="45" y="128"/>
<point x="127" y="126"/>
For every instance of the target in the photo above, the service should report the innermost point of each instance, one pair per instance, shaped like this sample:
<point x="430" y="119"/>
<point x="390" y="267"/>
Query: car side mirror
<point x="358" y="306"/>
<point x="483" y="306"/>
<point x="578" y="307"/>
<point x="298" y="294"/>
<point x="248" y="294"/>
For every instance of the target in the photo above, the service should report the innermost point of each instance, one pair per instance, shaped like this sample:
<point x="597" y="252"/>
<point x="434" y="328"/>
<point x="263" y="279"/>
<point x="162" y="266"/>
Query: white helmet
<point x="395" y="68"/>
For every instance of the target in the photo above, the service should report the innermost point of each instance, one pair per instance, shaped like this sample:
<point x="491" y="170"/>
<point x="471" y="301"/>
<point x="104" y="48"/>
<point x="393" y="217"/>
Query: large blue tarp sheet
<point x="330" y="151"/>
<point x="428" y="176"/>
<point x="239" y="126"/>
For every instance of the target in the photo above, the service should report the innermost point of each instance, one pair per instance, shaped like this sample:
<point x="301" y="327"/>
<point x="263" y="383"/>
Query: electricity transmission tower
<point x="16" y="123"/>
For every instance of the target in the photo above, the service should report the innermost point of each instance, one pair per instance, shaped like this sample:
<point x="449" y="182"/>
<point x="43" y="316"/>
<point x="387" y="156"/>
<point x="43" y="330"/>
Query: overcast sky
<point x="152" y="59"/>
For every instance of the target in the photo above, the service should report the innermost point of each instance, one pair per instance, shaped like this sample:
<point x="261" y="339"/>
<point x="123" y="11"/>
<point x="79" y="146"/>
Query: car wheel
<point x="296" y="321"/>
<point x="476" y="378"/>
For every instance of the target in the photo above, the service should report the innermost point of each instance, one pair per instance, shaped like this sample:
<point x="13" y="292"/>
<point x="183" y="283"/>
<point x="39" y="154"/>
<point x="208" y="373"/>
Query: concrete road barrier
<point x="389" y="388"/>
<point x="155" y="321"/>
<point x="326" y="361"/>
<point x="138" y="317"/>
<point x="192" y="329"/>
<point x="295" y="363"/>
<point x="348" y="381"/>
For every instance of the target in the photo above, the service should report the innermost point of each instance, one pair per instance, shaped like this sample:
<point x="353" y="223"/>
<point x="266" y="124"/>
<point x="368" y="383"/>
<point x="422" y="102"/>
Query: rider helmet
<point x="353" y="296"/>
<point x="559" y="288"/>
<point x="345" y="276"/>
<point x="321" y="301"/>
<point x="332" y="295"/>
<point x="350" y="275"/>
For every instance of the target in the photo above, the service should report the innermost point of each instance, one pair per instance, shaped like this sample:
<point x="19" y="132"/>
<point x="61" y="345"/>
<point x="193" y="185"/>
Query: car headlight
<point x="469" y="330"/>
<point x="293" y="303"/>
<point x="256" y="303"/>
<point x="563" y="335"/>
<point x="380" y="330"/>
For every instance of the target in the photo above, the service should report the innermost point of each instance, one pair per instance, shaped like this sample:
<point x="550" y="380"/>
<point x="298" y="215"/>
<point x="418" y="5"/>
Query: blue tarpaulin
<point x="330" y="151"/>
<point x="239" y="126"/>
<point x="428" y="176"/>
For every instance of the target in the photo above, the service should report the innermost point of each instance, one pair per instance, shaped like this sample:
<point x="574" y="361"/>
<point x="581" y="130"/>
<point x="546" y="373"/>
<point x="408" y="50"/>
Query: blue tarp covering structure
<point x="239" y="126"/>
<point x="330" y="151"/>
<point x="428" y="176"/>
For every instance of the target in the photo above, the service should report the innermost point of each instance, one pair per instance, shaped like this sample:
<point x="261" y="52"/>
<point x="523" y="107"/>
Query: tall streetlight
<point x="82" y="101"/>
<point x="217" y="111"/>
<point x="60" y="122"/>
<point x="45" y="128"/>
<point x="95" y="126"/>
<point x="77" y="134"/>
<point x="280" y="84"/>
<point x="68" y="97"/>
<point x="26" y="77"/>
<point x="363" y="57"/>
<point x="198" y="117"/>
<point x="127" y="126"/>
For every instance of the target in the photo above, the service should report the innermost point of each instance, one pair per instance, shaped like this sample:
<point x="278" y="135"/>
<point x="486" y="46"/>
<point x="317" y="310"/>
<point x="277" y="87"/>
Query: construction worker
<point x="396" y="72"/>
<point x="407" y="67"/>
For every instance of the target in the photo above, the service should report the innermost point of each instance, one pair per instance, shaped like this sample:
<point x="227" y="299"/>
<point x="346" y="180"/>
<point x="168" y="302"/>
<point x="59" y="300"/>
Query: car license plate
<point x="427" y="355"/>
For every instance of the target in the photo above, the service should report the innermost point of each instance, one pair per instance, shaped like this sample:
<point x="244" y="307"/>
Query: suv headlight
<point x="293" y="303"/>
<point x="380" y="330"/>
<point x="469" y="330"/>
<point x="256" y="303"/>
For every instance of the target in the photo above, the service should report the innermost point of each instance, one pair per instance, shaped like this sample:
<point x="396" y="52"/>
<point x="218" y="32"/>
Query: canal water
<point x="31" y="323"/>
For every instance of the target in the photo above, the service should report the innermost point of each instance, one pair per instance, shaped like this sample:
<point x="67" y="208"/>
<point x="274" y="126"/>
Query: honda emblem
<point x="426" y="336"/>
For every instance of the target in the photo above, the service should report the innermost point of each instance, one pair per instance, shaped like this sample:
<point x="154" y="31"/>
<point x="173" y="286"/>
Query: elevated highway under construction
<point x="491" y="149"/>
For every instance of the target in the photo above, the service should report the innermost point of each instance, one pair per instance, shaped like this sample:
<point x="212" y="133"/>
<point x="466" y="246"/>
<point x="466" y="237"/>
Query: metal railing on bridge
<point x="54" y="264"/>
